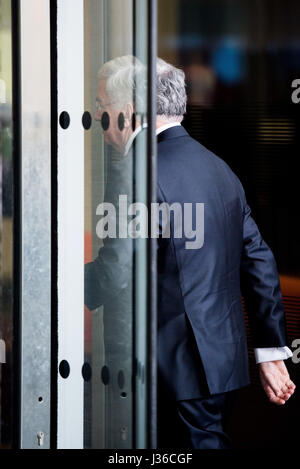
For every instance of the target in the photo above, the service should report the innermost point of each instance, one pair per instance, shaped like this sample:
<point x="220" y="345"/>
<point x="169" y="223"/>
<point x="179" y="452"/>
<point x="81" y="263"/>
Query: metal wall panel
<point x="36" y="224"/>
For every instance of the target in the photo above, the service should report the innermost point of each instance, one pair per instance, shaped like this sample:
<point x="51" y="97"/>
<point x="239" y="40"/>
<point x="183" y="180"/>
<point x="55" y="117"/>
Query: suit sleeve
<point x="260" y="286"/>
<point x="109" y="274"/>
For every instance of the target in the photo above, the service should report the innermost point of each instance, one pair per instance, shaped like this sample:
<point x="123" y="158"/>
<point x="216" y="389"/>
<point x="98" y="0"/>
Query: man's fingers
<point x="279" y="385"/>
<point x="288" y="387"/>
<point x="272" y="397"/>
<point x="276" y="382"/>
<point x="284" y="388"/>
<point x="290" y="384"/>
<point x="274" y="385"/>
<point x="277" y="400"/>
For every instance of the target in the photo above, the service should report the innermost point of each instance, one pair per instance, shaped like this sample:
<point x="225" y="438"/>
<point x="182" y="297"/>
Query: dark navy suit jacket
<point x="201" y="329"/>
<point x="202" y="345"/>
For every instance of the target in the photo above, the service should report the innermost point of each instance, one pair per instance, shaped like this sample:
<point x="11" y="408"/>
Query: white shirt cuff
<point x="270" y="354"/>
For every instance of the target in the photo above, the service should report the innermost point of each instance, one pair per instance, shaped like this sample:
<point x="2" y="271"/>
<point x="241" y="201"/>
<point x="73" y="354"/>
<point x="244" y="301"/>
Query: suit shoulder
<point x="187" y="148"/>
<point x="215" y="159"/>
<point x="188" y="158"/>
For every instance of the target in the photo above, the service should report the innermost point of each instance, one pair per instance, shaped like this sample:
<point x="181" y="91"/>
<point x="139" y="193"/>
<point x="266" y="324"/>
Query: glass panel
<point x="6" y="225"/>
<point x="115" y="175"/>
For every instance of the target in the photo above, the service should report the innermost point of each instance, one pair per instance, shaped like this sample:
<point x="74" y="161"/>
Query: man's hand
<point x="276" y="381"/>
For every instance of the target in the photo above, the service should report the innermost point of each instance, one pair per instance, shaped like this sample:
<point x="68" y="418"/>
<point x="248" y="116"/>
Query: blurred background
<point x="240" y="58"/>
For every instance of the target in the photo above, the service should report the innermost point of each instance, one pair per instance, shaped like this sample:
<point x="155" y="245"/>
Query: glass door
<point x="106" y="318"/>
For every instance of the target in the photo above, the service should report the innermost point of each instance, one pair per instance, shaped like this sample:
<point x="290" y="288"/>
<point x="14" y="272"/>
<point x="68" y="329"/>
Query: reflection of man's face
<point x="113" y="135"/>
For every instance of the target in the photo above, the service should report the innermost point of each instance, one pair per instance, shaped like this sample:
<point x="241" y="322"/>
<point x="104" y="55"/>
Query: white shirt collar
<point x="132" y="137"/>
<point x="139" y="128"/>
<point x="166" y="126"/>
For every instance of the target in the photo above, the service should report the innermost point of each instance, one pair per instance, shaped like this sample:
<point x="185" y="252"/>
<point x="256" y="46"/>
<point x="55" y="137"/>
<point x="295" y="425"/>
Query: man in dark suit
<point x="202" y="347"/>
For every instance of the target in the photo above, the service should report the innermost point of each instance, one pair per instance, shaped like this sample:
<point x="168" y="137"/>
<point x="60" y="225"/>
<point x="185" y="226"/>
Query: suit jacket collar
<point x="172" y="132"/>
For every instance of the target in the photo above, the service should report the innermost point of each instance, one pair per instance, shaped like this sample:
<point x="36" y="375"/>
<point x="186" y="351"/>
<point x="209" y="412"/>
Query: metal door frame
<point x="34" y="315"/>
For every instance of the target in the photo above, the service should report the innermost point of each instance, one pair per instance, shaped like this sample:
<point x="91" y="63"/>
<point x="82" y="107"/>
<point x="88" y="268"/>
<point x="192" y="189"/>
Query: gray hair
<point x="171" y="93"/>
<point x="126" y="81"/>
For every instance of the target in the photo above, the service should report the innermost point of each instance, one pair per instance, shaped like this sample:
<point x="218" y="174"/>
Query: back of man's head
<point x="171" y="92"/>
<point x="126" y="81"/>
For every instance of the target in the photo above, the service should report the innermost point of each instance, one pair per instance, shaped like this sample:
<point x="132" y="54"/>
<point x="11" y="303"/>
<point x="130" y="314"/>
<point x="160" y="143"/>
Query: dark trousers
<point x="195" y="423"/>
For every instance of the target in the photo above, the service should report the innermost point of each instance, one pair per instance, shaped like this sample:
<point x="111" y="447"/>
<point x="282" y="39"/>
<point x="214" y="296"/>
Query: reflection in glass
<point x="6" y="226"/>
<point x="115" y="177"/>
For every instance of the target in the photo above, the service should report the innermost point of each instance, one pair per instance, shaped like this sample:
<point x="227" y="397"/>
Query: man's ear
<point x="128" y="112"/>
